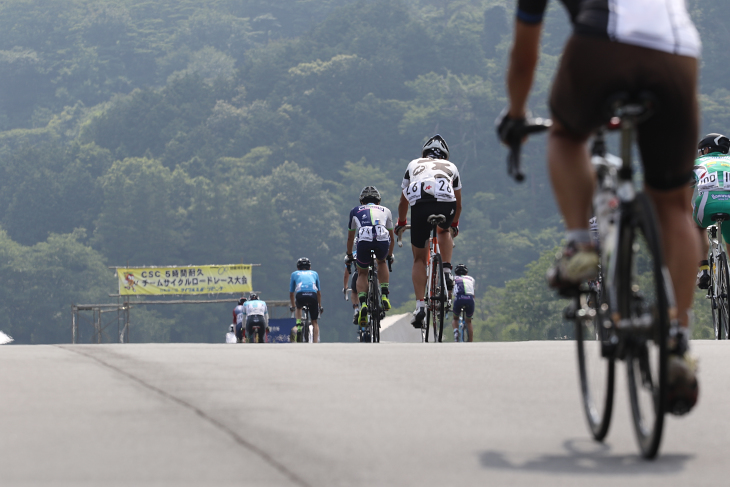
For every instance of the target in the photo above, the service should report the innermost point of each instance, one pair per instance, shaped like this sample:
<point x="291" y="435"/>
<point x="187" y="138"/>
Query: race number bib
<point x="708" y="182"/>
<point x="443" y="189"/>
<point x="371" y="233"/>
<point x="413" y="192"/>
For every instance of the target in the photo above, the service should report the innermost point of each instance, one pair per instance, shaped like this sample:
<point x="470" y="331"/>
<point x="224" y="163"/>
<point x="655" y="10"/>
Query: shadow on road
<point x="583" y="456"/>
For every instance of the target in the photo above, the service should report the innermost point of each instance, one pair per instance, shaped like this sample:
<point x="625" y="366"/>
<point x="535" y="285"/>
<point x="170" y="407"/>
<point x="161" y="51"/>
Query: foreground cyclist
<point x="304" y="290"/>
<point x="372" y="226"/>
<point x="464" y="300"/>
<point x="630" y="46"/>
<point x="431" y="186"/>
<point x="711" y="194"/>
<point x="257" y="314"/>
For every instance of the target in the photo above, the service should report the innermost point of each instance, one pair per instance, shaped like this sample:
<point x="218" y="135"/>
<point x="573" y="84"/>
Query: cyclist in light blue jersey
<point x="304" y="290"/>
<point x="464" y="300"/>
<point x="372" y="225"/>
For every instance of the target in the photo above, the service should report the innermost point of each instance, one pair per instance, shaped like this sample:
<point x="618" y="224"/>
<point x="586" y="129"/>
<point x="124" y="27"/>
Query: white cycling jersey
<point x="256" y="307"/>
<point x="430" y="179"/>
<point x="663" y="25"/>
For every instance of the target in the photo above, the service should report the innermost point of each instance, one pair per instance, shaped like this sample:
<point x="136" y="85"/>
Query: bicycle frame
<point x="718" y="265"/>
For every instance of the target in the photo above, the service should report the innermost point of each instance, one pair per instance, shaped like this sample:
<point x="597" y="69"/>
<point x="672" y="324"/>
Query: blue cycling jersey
<point x="304" y="281"/>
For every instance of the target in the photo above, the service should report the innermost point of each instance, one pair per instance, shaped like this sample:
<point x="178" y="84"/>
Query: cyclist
<point x="431" y="186"/>
<point x="627" y="46"/>
<point x="256" y="313"/>
<point x="304" y="290"/>
<point x="711" y="194"/>
<point x="372" y="225"/>
<point x="238" y="319"/>
<point x="464" y="285"/>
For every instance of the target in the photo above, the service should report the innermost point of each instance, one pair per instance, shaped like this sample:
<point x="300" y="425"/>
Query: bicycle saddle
<point x="436" y="219"/>
<point x="720" y="217"/>
<point x="623" y="104"/>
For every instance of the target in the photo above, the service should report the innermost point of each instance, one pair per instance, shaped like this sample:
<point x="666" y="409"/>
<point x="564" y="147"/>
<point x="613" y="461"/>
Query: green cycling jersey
<point x="711" y="190"/>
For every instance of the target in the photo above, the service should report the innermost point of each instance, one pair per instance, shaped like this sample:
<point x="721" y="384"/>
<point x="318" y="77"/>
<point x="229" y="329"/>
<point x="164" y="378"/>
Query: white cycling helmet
<point x="435" y="147"/>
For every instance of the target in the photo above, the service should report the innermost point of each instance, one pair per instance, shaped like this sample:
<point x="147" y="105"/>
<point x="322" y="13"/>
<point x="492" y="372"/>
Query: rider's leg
<point x="362" y="293"/>
<point x="679" y="240"/>
<point x="572" y="176"/>
<point x="315" y="331"/>
<point x="470" y="329"/>
<point x="446" y="244"/>
<point x="703" y="276"/>
<point x="384" y="277"/>
<point x="418" y="273"/>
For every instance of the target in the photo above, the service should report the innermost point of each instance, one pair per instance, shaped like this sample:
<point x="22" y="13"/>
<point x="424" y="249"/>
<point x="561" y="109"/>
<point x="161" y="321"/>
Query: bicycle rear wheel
<point x="644" y="300"/>
<point x="438" y="299"/>
<point x="596" y="365"/>
<point x="723" y="306"/>
<point x="374" y="309"/>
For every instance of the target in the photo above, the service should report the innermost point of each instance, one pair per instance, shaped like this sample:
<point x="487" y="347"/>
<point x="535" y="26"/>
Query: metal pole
<point x="73" y="324"/>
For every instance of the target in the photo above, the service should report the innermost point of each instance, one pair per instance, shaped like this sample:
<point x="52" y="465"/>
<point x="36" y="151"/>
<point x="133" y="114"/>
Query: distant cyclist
<point x="239" y="318"/>
<point x="711" y="193"/>
<point x="431" y="186"/>
<point x="257" y="314"/>
<point x="463" y="300"/>
<point x="372" y="225"/>
<point x="304" y="290"/>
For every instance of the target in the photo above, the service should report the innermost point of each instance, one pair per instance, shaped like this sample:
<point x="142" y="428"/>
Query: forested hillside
<point x="218" y="131"/>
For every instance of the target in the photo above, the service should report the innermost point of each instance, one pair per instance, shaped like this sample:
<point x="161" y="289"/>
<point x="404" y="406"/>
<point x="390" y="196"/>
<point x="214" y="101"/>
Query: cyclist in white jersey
<point x="631" y="47"/>
<point x="257" y="313"/>
<point x="431" y="186"/>
<point x="464" y="300"/>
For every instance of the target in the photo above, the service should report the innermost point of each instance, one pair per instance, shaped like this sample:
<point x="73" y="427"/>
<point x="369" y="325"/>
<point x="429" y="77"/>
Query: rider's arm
<point x="457" y="195"/>
<point x="523" y="61"/>
<point x="392" y="241"/>
<point x="346" y="278"/>
<point x="319" y="298"/>
<point x="350" y="240"/>
<point x="402" y="208"/>
<point x="291" y="299"/>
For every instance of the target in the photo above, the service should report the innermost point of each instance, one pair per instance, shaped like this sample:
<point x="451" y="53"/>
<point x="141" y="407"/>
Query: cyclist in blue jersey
<point x="372" y="225"/>
<point x="256" y="314"/>
<point x="304" y="290"/>
<point x="464" y="300"/>
<point x="238" y="319"/>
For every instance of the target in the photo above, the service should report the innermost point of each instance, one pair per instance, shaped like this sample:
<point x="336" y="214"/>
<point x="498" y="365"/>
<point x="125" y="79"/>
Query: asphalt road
<point x="487" y="414"/>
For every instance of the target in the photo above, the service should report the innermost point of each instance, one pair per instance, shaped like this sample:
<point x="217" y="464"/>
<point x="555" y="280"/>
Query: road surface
<point x="486" y="414"/>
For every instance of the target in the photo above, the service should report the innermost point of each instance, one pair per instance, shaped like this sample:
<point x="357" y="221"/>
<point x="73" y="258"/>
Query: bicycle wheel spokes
<point x="644" y="301"/>
<point x="723" y="305"/>
<point x="596" y="363"/>
<point x="712" y="293"/>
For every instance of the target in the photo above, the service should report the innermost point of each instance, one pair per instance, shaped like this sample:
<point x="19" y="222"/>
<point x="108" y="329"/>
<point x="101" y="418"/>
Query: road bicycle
<point x="437" y="299"/>
<point x="376" y="313"/>
<point x="462" y="331"/>
<point x="717" y="293"/>
<point x="303" y="332"/>
<point x="629" y="319"/>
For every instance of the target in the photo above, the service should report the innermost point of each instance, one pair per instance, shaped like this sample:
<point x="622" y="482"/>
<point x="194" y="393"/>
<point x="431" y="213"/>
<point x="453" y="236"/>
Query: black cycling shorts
<point x="420" y="228"/>
<point x="308" y="299"/>
<point x="256" y="320"/>
<point x="593" y="70"/>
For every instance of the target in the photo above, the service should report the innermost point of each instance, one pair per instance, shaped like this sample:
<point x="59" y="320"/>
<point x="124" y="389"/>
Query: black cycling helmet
<point x="304" y="264"/>
<point x="435" y="147"/>
<point x="253" y="297"/>
<point x="714" y="142"/>
<point x="241" y="301"/>
<point x="369" y="194"/>
<point x="461" y="270"/>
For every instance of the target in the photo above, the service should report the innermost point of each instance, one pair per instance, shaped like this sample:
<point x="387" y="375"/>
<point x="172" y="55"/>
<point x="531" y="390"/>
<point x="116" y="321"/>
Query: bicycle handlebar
<point x="515" y="145"/>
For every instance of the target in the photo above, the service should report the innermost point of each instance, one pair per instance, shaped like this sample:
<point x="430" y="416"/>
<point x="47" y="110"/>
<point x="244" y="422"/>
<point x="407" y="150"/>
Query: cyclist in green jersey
<point x="711" y="194"/>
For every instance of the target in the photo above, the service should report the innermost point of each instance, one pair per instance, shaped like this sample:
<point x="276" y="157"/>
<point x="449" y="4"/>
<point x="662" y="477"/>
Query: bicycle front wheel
<point x="596" y="363"/>
<point x="644" y="300"/>
<point x="723" y="306"/>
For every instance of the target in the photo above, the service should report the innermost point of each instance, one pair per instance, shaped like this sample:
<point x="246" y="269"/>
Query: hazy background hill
<point x="221" y="131"/>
